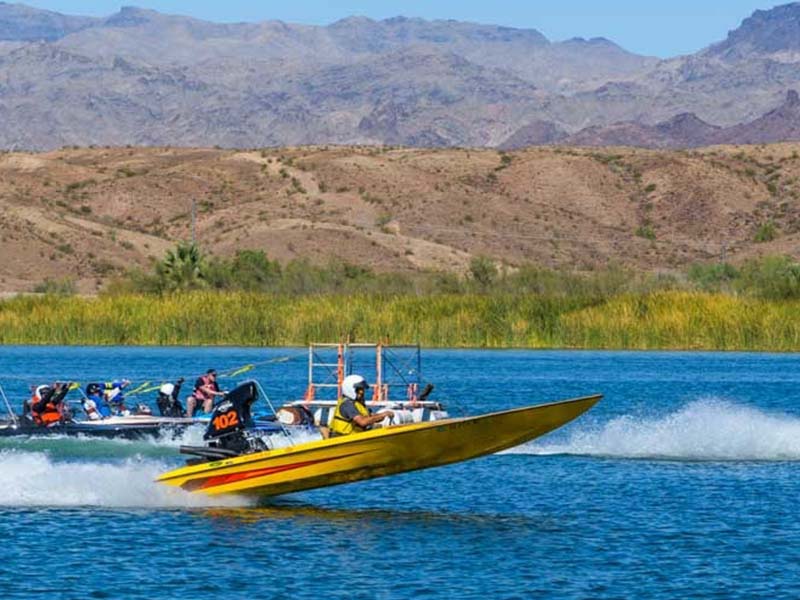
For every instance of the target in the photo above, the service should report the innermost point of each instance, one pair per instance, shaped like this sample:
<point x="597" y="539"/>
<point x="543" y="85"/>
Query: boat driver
<point x="205" y="390"/>
<point x="352" y="415"/>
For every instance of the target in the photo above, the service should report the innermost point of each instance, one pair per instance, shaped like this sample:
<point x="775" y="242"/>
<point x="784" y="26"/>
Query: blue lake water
<point x="683" y="482"/>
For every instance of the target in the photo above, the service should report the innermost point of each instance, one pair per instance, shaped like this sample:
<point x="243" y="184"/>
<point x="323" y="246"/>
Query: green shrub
<point x="56" y="287"/>
<point x="383" y="220"/>
<point x="713" y="277"/>
<point x="766" y="232"/>
<point x="773" y="277"/>
<point x="647" y="232"/>
<point x="483" y="271"/>
<point x="249" y="270"/>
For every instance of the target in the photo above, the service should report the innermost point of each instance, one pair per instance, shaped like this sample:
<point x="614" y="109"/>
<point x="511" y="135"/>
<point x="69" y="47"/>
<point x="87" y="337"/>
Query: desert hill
<point x="89" y="214"/>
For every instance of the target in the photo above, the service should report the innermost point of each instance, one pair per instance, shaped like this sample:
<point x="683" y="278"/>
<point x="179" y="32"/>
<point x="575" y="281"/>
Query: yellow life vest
<point x="340" y="425"/>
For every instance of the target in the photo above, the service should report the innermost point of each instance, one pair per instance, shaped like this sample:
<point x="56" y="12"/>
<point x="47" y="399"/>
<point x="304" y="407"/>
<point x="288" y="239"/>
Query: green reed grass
<point x="685" y="320"/>
<point x="660" y="320"/>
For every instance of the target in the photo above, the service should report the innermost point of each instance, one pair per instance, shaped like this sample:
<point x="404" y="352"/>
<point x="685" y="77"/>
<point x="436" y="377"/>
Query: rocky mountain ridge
<point x="145" y="78"/>
<point x="685" y="130"/>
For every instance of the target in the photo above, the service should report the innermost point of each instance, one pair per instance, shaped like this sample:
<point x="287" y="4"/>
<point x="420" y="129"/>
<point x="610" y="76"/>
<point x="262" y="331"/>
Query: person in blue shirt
<point x="94" y="404"/>
<point x="104" y="400"/>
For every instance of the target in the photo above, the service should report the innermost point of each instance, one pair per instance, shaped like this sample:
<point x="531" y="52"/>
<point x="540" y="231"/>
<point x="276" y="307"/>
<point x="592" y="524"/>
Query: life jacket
<point x="51" y="414"/>
<point x="112" y="394"/>
<point x="340" y="425"/>
<point x="35" y="398"/>
<point x="114" y="400"/>
<point x="27" y="406"/>
<point x="199" y="393"/>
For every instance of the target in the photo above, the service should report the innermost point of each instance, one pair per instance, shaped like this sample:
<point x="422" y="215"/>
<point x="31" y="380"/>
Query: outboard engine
<point x="230" y="419"/>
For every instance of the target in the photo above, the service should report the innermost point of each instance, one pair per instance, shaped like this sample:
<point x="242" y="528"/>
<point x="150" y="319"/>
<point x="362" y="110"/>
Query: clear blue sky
<point x="655" y="27"/>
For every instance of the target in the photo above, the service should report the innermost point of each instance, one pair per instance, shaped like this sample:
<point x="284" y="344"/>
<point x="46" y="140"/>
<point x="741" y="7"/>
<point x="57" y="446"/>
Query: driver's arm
<point x="363" y="421"/>
<point x="209" y="389"/>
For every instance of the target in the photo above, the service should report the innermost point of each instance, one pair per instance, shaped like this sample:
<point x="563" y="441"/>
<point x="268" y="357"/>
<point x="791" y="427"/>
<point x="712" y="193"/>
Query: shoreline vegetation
<point x="666" y="320"/>
<point x="249" y="300"/>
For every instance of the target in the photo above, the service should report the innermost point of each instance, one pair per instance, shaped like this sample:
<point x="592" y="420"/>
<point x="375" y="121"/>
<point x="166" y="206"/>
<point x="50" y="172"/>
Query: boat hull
<point x="375" y="453"/>
<point x="132" y="427"/>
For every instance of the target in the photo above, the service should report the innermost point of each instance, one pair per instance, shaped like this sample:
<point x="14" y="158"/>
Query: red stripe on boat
<point x="203" y="484"/>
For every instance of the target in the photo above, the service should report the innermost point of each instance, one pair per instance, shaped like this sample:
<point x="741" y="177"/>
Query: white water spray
<point x="33" y="479"/>
<point x="30" y="477"/>
<point x="711" y="430"/>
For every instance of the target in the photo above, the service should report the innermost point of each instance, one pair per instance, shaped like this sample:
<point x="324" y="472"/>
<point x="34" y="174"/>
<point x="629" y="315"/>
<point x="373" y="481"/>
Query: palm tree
<point x="182" y="268"/>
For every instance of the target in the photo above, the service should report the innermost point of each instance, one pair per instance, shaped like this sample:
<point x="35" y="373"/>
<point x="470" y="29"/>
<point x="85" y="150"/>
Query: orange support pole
<point x="379" y="391"/>
<point x="310" y="393"/>
<point x="339" y="370"/>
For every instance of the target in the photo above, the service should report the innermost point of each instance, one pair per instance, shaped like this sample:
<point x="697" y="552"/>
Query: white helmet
<point x="167" y="389"/>
<point x="351" y="384"/>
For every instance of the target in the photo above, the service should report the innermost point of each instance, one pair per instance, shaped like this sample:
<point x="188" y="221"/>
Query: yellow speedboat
<point x="375" y="453"/>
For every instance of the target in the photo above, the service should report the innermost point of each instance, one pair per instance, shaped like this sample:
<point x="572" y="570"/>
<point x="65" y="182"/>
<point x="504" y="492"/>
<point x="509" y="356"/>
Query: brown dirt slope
<point x="88" y="214"/>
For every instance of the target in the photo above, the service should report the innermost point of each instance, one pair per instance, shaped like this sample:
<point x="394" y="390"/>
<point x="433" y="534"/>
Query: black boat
<point x="128" y="427"/>
<point x="132" y="426"/>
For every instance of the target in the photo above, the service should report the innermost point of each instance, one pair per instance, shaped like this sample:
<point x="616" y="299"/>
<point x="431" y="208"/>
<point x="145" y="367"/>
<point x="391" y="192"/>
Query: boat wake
<point x="68" y="471"/>
<point x="34" y="479"/>
<point x="164" y="446"/>
<point x="704" y="430"/>
<point x="65" y="446"/>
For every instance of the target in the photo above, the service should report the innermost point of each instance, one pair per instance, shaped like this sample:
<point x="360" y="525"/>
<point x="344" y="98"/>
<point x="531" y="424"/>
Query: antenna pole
<point x="194" y="221"/>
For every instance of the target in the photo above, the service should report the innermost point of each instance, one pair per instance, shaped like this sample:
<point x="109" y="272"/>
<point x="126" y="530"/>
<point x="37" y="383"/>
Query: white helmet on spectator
<point x="167" y="389"/>
<point x="351" y="385"/>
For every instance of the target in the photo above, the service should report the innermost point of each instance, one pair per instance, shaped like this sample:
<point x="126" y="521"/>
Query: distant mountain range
<point x="145" y="78"/>
<point x="685" y="130"/>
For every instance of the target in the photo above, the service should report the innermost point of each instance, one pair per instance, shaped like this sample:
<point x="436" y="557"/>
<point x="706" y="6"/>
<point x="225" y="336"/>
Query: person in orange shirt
<point x="48" y="410"/>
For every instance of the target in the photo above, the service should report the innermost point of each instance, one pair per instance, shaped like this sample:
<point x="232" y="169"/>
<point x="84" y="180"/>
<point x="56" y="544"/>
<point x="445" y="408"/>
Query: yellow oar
<point x="150" y="389"/>
<point x="240" y="370"/>
<point x="139" y="389"/>
<point x="235" y="371"/>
